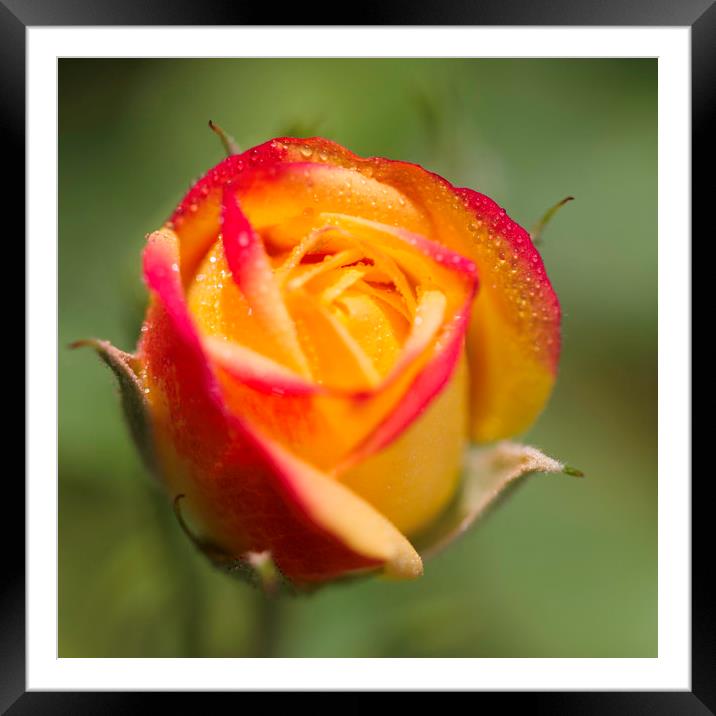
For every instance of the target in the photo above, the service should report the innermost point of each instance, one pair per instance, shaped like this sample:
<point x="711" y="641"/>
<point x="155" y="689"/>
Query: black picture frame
<point x="699" y="15"/>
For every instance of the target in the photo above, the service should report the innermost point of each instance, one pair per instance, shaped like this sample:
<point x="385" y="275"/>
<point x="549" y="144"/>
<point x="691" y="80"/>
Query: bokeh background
<point x="566" y="567"/>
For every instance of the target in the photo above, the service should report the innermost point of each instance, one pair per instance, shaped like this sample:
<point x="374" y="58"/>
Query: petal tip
<point x="406" y="565"/>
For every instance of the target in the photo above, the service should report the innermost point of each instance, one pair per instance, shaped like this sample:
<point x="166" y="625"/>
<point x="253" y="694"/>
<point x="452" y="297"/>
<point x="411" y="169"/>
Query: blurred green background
<point x="566" y="567"/>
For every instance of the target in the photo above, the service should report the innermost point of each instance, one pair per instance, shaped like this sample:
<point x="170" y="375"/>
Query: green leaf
<point x="491" y="474"/>
<point x="134" y="403"/>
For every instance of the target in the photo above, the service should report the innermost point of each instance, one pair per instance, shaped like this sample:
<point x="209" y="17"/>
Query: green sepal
<point x="227" y="141"/>
<point x="539" y="227"/>
<point x="134" y="402"/>
<point x="256" y="568"/>
<point x="491" y="474"/>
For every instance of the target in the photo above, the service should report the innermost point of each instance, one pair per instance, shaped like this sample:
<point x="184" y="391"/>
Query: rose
<point x="317" y="354"/>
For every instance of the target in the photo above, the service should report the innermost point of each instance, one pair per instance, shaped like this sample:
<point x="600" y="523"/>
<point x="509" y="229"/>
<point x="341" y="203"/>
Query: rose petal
<point x="253" y="274"/>
<point x="248" y="492"/>
<point x="255" y="370"/>
<point x="425" y="387"/>
<point x="412" y="479"/>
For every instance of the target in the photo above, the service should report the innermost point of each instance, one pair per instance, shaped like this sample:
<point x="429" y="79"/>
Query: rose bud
<point x="327" y="335"/>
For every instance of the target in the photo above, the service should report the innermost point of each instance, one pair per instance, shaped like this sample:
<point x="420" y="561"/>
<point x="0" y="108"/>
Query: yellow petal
<point x="414" y="478"/>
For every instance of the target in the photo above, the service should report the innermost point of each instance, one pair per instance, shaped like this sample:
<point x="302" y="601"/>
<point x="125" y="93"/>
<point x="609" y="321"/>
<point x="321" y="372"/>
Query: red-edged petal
<point x="253" y="274"/>
<point x="246" y="491"/>
<point x="426" y="386"/>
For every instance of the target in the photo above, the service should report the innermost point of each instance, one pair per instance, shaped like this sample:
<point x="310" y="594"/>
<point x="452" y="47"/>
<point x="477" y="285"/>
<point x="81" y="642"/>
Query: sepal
<point x="256" y="568"/>
<point x="490" y="474"/>
<point x="134" y="402"/>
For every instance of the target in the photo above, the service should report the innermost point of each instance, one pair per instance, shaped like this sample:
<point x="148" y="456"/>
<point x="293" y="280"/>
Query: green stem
<point x="187" y="582"/>
<point x="267" y="633"/>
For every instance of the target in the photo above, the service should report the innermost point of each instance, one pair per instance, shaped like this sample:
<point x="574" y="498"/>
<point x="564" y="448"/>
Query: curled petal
<point x="256" y="370"/>
<point x="412" y="479"/>
<point x="249" y="493"/>
<point x="253" y="274"/>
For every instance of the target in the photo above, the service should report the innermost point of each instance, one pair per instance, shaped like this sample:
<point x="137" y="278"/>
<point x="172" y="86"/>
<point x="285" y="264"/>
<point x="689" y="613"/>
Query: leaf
<point x="491" y="473"/>
<point x="132" y="392"/>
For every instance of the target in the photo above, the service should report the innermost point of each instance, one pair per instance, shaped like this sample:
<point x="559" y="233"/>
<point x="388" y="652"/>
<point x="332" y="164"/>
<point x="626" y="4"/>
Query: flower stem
<point x="267" y="633"/>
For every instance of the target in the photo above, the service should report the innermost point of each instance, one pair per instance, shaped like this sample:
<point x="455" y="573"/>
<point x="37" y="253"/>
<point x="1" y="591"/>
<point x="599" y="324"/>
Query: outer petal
<point x="249" y="493"/>
<point x="414" y="478"/>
